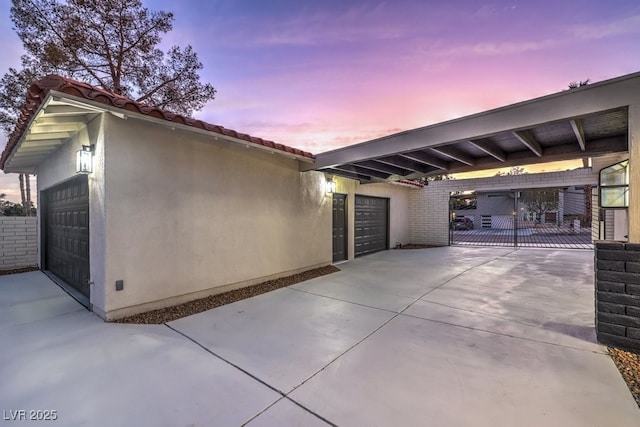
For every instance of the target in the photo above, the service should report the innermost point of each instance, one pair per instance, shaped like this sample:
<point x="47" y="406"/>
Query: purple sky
<point x="319" y="75"/>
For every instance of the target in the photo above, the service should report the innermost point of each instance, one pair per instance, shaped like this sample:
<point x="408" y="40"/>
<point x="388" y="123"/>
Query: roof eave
<point x="125" y="114"/>
<point x="7" y="168"/>
<point x="614" y="93"/>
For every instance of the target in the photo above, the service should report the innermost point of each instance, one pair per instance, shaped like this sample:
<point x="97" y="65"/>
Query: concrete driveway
<point x="453" y="336"/>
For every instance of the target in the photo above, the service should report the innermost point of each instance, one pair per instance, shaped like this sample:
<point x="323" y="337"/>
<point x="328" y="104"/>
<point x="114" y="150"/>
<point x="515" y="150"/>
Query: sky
<point x="320" y="75"/>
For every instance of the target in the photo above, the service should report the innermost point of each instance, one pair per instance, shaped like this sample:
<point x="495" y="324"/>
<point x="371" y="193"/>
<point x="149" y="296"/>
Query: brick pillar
<point x="617" y="267"/>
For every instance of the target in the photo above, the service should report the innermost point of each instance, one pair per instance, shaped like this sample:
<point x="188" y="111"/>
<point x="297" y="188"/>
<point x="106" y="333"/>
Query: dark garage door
<point x="66" y="233"/>
<point x="339" y="227"/>
<point x="371" y="225"/>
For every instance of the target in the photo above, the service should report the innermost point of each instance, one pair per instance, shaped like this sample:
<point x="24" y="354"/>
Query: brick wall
<point x="18" y="242"/>
<point x="617" y="268"/>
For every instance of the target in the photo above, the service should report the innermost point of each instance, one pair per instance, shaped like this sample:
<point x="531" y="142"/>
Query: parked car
<point x="462" y="224"/>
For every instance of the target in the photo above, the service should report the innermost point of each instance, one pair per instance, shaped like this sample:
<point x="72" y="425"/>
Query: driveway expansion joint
<point x="568" y="347"/>
<point x="282" y="394"/>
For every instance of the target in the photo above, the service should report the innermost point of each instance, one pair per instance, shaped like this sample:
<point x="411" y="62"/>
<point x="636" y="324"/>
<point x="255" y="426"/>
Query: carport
<point x="589" y="122"/>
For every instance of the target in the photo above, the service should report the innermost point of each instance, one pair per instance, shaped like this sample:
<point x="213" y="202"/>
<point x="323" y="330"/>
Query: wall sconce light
<point x="84" y="159"/>
<point x="330" y="186"/>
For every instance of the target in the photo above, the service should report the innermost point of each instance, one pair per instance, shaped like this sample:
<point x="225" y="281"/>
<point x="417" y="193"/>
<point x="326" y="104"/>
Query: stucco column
<point x="634" y="173"/>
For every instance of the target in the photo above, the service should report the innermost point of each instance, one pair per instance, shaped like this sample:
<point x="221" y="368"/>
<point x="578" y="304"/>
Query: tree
<point x="575" y="85"/>
<point x="11" y="209"/>
<point x="443" y="177"/>
<point x="23" y="195"/>
<point x="541" y="201"/>
<point x="515" y="170"/>
<point x="29" y="205"/>
<point x="112" y="44"/>
<point x="588" y="205"/>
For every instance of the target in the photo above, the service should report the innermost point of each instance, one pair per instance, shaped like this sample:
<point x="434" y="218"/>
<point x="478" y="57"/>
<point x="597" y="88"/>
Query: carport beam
<point x="578" y="130"/>
<point x="529" y="141"/>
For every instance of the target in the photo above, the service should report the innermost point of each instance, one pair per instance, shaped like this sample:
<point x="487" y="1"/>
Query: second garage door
<point x="371" y="225"/>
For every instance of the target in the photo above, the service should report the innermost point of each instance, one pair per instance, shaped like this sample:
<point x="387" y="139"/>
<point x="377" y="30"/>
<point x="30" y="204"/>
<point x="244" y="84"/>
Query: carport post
<point x="634" y="174"/>
<point x="516" y="196"/>
<point x="617" y="316"/>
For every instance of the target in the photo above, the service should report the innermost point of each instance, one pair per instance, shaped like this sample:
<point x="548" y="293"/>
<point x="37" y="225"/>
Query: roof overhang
<point x="584" y="122"/>
<point x="57" y="109"/>
<point x="52" y="125"/>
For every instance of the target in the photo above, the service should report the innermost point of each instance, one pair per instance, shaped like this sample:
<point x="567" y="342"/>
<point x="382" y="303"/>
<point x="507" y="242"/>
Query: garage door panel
<point x="371" y="225"/>
<point x="66" y="233"/>
<point x="339" y="227"/>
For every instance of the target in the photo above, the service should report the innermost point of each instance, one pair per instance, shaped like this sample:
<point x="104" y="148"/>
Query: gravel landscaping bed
<point x="629" y="366"/>
<point x="175" y="312"/>
<point x="415" y="246"/>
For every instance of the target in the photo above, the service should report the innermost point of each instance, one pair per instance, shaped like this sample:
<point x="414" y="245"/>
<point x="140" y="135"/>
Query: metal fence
<point x="547" y="217"/>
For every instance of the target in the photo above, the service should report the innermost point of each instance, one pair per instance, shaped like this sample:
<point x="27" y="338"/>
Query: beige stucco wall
<point x="178" y="216"/>
<point x="398" y="208"/>
<point x="187" y="215"/>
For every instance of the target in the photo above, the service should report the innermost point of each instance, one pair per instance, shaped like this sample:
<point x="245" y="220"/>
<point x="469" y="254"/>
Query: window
<point x="614" y="186"/>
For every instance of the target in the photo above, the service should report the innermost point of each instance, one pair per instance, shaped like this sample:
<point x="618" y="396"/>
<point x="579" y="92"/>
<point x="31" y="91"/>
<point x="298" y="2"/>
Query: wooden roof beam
<point x="403" y="162"/>
<point x="425" y="158"/>
<point x="490" y="149"/>
<point x="455" y="155"/>
<point x="383" y="167"/>
<point x="528" y="140"/>
<point x="578" y="130"/>
<point x="362" y="171"/>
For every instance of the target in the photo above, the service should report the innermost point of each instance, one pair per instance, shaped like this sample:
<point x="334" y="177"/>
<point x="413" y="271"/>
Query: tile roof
<point x="39" y="90"/>
<point x="410" y="183"/>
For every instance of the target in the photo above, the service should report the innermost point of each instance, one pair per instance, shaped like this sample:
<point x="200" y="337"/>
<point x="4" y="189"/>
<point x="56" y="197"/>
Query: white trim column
<point x="634" y="173"/>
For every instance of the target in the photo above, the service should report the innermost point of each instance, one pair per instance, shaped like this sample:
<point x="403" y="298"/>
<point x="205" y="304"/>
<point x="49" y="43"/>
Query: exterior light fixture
<point x="330" y="186"/>
<point x="84" y="159"/>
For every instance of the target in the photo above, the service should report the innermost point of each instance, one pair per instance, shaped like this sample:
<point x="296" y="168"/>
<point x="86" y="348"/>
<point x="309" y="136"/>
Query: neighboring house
<point x="175" y="208"/>
<point x="495" y="209"/>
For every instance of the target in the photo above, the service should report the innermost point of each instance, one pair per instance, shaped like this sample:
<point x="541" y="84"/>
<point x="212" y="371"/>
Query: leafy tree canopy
<point x="514" y="170"/>
<point x="575" y="85"/>
<point x="111" y="44"/>
<point x="541" y="201"/>
<point x="443" y="177"/>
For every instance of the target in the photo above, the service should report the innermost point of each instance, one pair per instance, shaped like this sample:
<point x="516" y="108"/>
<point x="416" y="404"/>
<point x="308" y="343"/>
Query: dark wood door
<point x="66" y="233"/>
<point x="371" y="225"/>
<point x="339" y="227"/>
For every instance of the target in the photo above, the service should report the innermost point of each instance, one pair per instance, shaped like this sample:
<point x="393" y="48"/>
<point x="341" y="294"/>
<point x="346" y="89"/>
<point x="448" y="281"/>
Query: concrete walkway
<point x="455" y="336"/>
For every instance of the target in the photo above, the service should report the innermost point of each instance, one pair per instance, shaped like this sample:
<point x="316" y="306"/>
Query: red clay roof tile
<point x="39" y="90"/>
<point x="410" y="182"/>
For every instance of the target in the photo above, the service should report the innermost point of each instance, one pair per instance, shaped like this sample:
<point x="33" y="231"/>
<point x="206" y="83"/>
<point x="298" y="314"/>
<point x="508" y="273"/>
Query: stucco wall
<point x="398" y="208"/>
<point x="188" y="215"/>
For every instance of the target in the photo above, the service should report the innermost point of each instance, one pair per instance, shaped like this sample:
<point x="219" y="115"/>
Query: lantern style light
<point x="330" y="186"/>
<point x="84" y="159"/>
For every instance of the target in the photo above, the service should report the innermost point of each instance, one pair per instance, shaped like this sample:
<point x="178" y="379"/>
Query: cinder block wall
<point x="18" y="242"/>
<point x="617" y="268"/>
